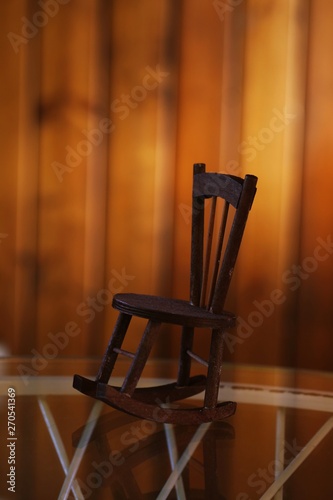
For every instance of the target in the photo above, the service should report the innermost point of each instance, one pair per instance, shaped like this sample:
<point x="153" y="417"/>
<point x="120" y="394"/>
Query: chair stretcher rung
<point x="197" y="358"/>
<point x="123" y="352"/>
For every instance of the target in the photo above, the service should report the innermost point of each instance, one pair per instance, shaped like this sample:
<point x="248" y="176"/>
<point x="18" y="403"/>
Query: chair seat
<point x="175" y="311"/>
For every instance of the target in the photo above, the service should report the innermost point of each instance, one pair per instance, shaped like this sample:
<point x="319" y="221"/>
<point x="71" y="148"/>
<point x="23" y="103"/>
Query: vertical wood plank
<point x="234" y="23"/>
<point x="65" y="108"/>
<point x="166" y="127"/>
<point x="198" y="131"/>
<point x="10" y="23"/>
<point x="138" y="82"/>
<point x="315" y="274"/>
<point x="267" y="129"/>
<point x="27" y="195"/>
<point x="21" y="184"/>
<point x="292" y="173"/>
<point x="99" y="128"/>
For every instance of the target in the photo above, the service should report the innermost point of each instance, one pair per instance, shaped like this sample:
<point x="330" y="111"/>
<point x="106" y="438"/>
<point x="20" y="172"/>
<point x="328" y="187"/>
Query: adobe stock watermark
<point x="121" y="108"/>
<point x="30" y="27"/>
<point x="249" y="149"/>
<point x="263" y="477"/>
<point x="293" y="278"/>
<point x="265" y="136"/>
<point x="222" y="7"/>
<point x="87" y="310"/>
<point x="91" y="139"/>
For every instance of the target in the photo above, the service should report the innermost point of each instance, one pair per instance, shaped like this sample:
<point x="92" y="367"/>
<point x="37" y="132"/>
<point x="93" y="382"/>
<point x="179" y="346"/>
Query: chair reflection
<point x="131" y="458"/>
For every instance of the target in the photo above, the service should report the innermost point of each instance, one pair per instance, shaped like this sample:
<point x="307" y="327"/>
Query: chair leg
<point x="184" y="359"/>
<point x="116" y="341"/>
<point x="214" y="369"/>
<point x="141" y="356"/>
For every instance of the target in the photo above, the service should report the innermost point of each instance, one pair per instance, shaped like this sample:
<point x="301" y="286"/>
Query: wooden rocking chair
<point x="204" y="309"/>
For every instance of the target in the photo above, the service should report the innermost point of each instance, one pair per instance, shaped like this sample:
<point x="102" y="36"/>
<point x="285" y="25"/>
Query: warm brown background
<point x="226" y="71"/>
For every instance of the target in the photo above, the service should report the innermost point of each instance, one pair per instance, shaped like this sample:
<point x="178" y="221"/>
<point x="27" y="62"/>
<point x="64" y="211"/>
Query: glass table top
<point x="59" y="443"/>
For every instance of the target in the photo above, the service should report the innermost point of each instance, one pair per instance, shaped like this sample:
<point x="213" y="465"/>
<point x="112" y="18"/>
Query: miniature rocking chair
<point x="204" y="309"/>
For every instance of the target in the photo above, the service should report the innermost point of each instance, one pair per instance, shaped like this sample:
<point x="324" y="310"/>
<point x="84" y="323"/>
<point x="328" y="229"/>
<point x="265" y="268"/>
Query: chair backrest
<point x="213" y="256"/>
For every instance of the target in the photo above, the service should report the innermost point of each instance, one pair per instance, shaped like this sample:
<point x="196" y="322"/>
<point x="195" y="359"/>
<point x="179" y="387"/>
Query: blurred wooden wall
<point x="105" y="107"/>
